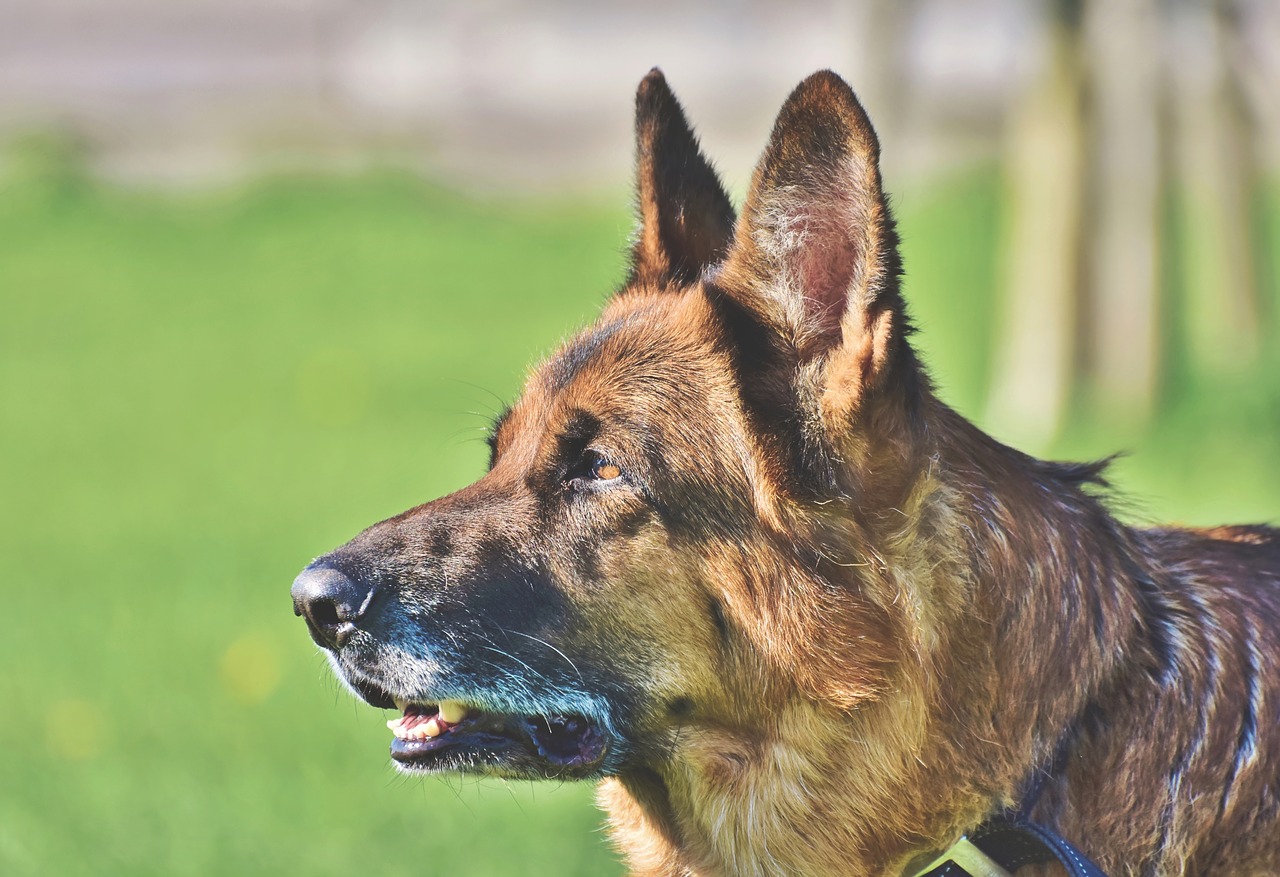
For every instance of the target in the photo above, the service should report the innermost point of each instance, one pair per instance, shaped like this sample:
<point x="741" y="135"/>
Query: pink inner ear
<point x="822" y="259"/>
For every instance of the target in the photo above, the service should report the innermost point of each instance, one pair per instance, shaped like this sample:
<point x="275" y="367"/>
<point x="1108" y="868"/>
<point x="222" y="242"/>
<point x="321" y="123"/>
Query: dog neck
<point x="813" y="794"/>
<point x="817" y="790"/>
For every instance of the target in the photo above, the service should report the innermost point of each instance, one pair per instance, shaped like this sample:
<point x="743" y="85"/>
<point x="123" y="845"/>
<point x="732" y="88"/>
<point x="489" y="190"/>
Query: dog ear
<point x="814" y="260"/>
<point x="685" y="218"/>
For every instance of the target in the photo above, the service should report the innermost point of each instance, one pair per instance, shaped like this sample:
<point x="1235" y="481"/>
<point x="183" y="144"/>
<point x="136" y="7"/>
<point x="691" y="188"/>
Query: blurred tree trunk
<point x="1119" y="342"/>
<point x="874" y="62"/>
<point x="1039" y="251"/>
<point x="1219" y="179"/>
<point x="1082" y="306"/>
<point x="1253" y="58"/>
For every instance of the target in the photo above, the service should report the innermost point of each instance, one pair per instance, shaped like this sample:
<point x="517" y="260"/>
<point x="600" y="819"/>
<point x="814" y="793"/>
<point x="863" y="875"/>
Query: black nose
<point x="332" y="602"/>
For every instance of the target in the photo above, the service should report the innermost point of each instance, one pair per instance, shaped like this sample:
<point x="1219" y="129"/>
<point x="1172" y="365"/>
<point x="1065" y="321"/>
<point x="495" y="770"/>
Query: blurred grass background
<point x="211" y="371"/>
<point x="201" y="392"/>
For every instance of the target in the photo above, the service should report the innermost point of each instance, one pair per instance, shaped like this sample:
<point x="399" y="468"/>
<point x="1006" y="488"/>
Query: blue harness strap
<point x="1004" y="844"/>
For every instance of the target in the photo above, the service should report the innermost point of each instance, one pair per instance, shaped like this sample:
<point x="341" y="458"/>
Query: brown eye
<point x="605" y="471"/>
<point x="593" y="469"/>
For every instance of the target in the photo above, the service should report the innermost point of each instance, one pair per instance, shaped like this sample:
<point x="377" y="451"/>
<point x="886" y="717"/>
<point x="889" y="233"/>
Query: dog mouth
<point x="453" y="736"/>
<point x="481" y="733"/>
<point x="450" y="736"/>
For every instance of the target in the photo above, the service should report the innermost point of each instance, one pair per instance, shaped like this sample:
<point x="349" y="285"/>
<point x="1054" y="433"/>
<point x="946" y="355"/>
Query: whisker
<point x="567" y="659"/>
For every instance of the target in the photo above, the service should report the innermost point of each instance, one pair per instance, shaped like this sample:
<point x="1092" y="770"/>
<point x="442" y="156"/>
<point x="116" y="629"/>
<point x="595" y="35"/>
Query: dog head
<point x="697" y="509"/>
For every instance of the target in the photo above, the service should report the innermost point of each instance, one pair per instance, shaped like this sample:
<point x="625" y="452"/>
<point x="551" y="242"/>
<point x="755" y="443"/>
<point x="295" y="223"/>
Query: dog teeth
<point x="417" y="726"/>
<point x="451" y="712"/>
<point x="401" y="703"/>
<point x="414" y="728"/>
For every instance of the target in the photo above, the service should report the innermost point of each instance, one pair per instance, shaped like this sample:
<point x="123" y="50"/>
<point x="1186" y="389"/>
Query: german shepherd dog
<point x="734" y="560"/>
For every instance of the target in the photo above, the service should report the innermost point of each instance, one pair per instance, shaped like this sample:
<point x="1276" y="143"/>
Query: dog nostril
<point x="324" y="613"/>
<point x="332" y="602"/>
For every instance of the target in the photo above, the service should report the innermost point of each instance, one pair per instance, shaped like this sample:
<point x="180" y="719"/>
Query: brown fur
<point x="835" y="624"/>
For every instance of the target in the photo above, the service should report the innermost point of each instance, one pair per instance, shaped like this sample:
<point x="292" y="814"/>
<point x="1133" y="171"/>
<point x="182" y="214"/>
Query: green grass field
<point x="199" y="393"/>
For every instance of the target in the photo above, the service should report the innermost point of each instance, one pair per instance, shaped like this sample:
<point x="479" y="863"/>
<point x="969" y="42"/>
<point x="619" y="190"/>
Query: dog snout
<point x="332" y="602"/>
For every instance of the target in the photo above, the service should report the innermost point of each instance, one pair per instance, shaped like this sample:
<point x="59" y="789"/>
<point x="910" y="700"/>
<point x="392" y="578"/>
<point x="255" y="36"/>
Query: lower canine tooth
<point x="433" y="728"/>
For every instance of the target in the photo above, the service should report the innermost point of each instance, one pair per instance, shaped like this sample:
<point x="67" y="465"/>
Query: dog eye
<point x="593" y="467"/>
<point x="604" y="470"/>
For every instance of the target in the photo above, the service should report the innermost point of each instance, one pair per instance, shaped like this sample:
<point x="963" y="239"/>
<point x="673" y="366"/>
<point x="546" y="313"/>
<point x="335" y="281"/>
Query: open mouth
<point x="451" y="736"/>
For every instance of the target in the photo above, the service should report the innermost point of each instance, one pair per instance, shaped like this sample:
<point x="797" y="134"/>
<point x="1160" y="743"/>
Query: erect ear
<point x="686" y="220"/>
<point x="814" y="259"/>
